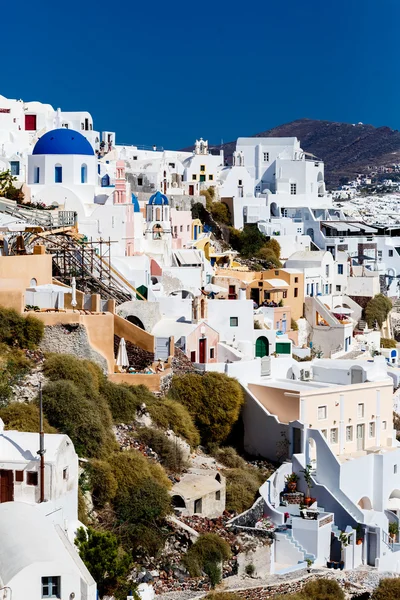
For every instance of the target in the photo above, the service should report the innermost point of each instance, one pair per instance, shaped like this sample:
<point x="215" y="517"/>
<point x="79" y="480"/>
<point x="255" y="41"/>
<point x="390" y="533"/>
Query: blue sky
<point x="159" y="72"/>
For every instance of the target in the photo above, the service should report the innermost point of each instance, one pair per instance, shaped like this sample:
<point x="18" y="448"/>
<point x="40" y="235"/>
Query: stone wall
<point x="147" y="312"/>
<point x="71" y="339"/>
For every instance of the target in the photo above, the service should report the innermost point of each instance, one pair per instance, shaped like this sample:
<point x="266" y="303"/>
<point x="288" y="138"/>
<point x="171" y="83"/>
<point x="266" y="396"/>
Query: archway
<point x="178" y="502"/>
<point x="310" y="232"/>
<point x="135" y="321"/>
<point x="262" y="347"/>
<point x="365" y="503"/>
<point x="33" y="282"/>
<point x="105" y="181"/>
<point x="274" y="209"/>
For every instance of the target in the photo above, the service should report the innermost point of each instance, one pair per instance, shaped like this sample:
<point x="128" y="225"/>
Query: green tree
<point x="169" y="453"/>
<point x="207" y="555"/>
<point x="388" y="343"/>
<point x="242" y="486"/>
<point x="16" y="330"/>
<point x="323" y="589"/>
<point x="7" y="187"/>
<point x="377" y="309"/>
<point x="214" y="400"/>
<point x="269" y="256"/>
<point x="102" y="482"/>
<point x="169" y="414"/>
<point x="274" y="245"/>
<point x="105" y="560"/>
<point x="248" y="241"/>
<point x="388" y="589"/>
<point x="220" y="212"/>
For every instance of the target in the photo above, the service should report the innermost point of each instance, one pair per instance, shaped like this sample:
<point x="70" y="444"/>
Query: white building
<point x="37" y="560"/>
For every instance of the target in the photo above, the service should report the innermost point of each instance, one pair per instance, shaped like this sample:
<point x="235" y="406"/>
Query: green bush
<point x="131" y="467"/>
<point x="323" y="589"/>
<point x="230" y="458"/>
<point x="106" y="562"/>
<point x="17" y="330"/>
<point x="84" y="419"/>
<point x="169" y="453"/>
<point x="222" y="596"/>
<point x="269" y="256"/>
<point x="170" y="414"/>
<point x="377" y="309"/>
<point x="220" y="212"/>
<point x="248" y="241"/>
<point x="141" y="510"/>
<point x="14" y="365"/>
<point x="388" y="343"/>
<point x="102" y="481"/>
<point x="24" y="417"/>
<point x="214" y="400"/>
<point x="388" y="589"/>
<point x="274" y="245"/>
<point x="242" y="488"/>
<point x="122" y="402"/>
<point x="293" y="325"/>
<point x="67" y="367"/>
<point x="206" y="555"/>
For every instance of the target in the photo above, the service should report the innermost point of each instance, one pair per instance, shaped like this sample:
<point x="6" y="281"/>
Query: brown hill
<point x="346" y="149"/>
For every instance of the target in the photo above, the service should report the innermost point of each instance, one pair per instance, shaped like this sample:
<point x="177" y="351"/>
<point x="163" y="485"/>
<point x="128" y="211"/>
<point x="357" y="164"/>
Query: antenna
<point x="41" y="450"/>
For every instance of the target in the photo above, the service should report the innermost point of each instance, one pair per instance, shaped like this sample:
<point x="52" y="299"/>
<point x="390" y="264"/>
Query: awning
<point x="342" y="310"/>
<point x="277" y="283"/>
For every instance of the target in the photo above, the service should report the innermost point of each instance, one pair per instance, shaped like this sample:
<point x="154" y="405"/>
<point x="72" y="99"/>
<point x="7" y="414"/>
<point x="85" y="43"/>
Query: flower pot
<point x="292" y="486"/>
<point x="335" y="565"/>
<point x="329" y="564"/>
<point x="307" y="501"/>
<point x="341" y="566"/>
<point x="359" y="542"/>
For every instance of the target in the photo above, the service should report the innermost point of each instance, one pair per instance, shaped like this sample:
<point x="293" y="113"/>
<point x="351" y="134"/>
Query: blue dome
<point x="158" y="198"/>
<point x="136" y="207"/>
<point x="63" y="141"/>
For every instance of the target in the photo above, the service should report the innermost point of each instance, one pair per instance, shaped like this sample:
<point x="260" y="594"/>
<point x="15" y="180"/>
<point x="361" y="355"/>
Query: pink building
<point x="181" y="228"/>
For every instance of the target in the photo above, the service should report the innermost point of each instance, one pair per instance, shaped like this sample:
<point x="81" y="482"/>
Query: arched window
<point x="33" y="282"/>
<point x="84" y="173"/>
<point x="58" y="174"/>
<point x="158" y="214"/>
<point x="36" y="175"/>
<point x="105" y="181"/>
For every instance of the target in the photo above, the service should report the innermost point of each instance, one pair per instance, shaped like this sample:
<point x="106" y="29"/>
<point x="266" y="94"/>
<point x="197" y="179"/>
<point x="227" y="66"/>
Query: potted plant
<point x="359" y="535"/>
<point x="341" y="565"/>
<point x="329" y="564"/>
<point x="308" y="479"/>
<point x="393" y="530"/>
<point x="291" y="482"/>
<point x="309" y="565"/>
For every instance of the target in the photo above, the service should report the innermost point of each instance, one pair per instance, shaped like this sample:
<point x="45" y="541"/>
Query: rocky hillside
<point x="346" y="149"/>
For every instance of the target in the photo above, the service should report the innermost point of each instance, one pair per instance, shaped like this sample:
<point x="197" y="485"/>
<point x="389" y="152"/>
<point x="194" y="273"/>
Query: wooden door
<point x="191" y="190"/>
<point x="30" y="122"/>
<point x="6" y="486"/>
<point x="202" y="350"/>
<point x="360" y="437"/>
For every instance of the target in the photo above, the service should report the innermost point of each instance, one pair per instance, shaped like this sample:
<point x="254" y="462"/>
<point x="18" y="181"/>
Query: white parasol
<point x="122" y="356"/>
<point x="73" y="287"/>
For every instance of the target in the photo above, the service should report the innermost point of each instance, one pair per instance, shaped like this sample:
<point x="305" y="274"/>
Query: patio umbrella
<point x="73" y="286"/>
<point x="215" y="289"/>
<point x="342" y="310"/>
<point x="122" y="356"/>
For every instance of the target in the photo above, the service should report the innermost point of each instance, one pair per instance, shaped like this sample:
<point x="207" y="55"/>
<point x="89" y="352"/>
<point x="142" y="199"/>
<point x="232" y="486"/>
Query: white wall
<point x="220" y="313"/>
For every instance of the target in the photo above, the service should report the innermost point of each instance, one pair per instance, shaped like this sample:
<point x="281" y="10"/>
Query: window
<point x="324" y="433"/>
<point x="181" y="228"/>
<point x="212" y="353"/>
<point x="36" y="174"/>
<point x="135" y="158"/>
<point x="198" y="506"/>
<point x="338" y="288"/>
<point x="308" y="289"/>
<point x="395" y="469"/>
<point x="293" y="189"/>
<point x="33" y="282"/>
<point x="19" y="476"/>
<point x="285" y="294"/>
<point x="296" y="280"/>
<point x="58" y="174"/>
<point x="379" y="253"/>
<point x="360" y="411"/>
<point x="390" y="253"/>
<point x="322" y="412"/>
<point x="84" y="173"/>
<point x="211" y="178"/>
<point x="51" y="587"/>
<point x="187" y="227"/>
<point x="32" y="478"/>
<point x="202" y="177"/>
<point x="372" y="429"/>
<point x="327" y="270"/>
<point x="266" y="156"/>
<point x="340" y="269"/>
<point x="202" y="168"/>
<point x="296" y="292"/>
<point x="140" y="181"/>
<point x="14" y="167"/>
<point x="218" y="495"/>
<point x="232" y="289"/>
<point x="349" y="433"/>
<point x="65" y="473"/>
<point x="240" y="182"/>
<point x="299" y="230"/>
<point x="193" y="356"/>
<point x="234" y="321"/>
<point x="334" y="436"/>
<point x="384" y="424"/>
<point x="194" y="177"/>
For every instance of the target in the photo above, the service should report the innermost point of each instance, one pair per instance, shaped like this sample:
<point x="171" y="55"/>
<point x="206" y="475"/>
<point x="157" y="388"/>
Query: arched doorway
<point x="262" y="346"/>
<point x="178" y="502"/>
<point x="135" y="321"/>
<point x="365" y="503"/>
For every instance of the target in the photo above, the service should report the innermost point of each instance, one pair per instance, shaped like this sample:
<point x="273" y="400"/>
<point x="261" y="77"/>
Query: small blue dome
<point x="158" y="198"/>
<point x="135" y="202"/>
<point x="63" y="141"/>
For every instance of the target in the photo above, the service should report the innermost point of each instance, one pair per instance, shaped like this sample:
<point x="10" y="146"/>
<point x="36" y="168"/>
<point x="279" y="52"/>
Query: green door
<point x="282" y="348"/>
<point x="262" y="347"/>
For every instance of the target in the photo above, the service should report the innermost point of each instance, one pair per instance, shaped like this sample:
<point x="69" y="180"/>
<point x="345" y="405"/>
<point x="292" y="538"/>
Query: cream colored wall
<point x="20" y="270"/>
<point x="152" y="381"/>
<point x="134" y="334"/>
<point x="100" y="330"/>
<point x="13" y="299"/>
<point x="286" y="408"/>
<point x="369" y="394"/>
